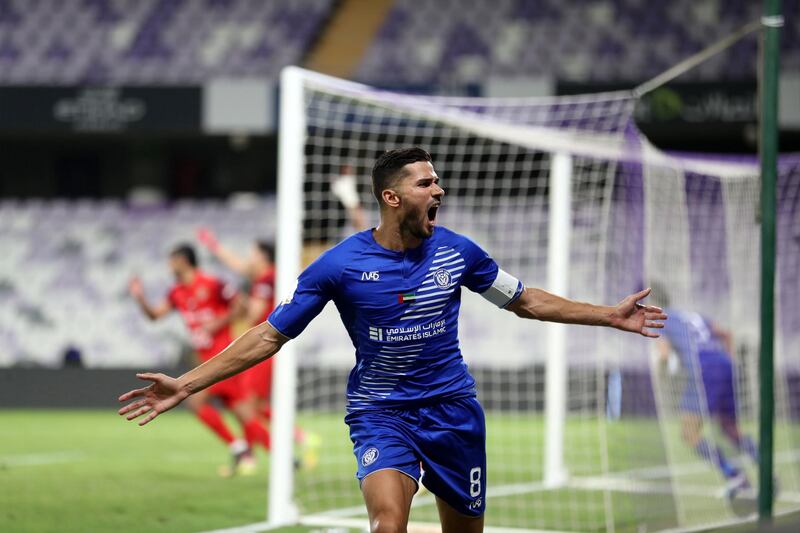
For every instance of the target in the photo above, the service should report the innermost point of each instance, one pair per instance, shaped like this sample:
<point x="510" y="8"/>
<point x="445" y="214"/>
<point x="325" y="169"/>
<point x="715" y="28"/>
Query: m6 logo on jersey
<point x="370" y="276"/>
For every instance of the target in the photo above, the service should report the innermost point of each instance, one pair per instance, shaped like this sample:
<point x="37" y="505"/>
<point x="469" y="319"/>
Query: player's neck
<point x="187" y="276"/>
<point x="392" y="237"/>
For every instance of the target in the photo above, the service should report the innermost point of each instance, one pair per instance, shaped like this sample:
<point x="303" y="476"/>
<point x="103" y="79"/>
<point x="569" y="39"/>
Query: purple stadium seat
<point x="152" y="41"/>
<point x="563" y="39"/>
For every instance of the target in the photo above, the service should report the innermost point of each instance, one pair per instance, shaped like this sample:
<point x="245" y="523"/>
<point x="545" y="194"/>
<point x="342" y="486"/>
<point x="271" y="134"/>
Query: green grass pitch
<point x="85" y="471"/>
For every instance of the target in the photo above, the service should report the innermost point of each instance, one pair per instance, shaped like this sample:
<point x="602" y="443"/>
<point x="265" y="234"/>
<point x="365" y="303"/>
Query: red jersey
<point x="264" y="289"/>
<point x="203" y="299"/>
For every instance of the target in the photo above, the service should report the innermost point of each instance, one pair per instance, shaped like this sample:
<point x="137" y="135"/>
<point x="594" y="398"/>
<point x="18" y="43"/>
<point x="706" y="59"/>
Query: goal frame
<point x="291" y="170"/>
<point x="291" y="164"/>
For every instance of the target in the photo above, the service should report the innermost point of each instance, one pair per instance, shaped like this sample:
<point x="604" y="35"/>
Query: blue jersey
<point x="690" y="335"/>
<point x="400" y="310"/>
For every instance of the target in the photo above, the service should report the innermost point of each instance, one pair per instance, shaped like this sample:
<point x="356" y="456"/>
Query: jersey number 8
<point x="475" y="482"/>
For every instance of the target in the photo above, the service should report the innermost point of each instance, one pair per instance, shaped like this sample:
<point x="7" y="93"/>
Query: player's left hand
<point x="630" y="315"/>
<point x="160" y="396"/>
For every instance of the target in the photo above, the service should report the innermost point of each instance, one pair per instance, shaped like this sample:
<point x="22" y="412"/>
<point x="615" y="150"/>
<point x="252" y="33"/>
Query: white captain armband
<point x="504" y="289"/>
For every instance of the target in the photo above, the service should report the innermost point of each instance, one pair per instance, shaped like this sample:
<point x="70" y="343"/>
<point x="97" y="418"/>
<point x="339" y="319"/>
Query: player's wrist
<point x="610" y="317"/>
<point x="186" y="387"/>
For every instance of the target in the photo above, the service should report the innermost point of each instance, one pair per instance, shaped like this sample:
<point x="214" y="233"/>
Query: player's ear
<point x="390" y="197"/>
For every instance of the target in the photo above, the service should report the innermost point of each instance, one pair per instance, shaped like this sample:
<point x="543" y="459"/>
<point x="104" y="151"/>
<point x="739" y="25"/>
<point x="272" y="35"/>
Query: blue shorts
<point x="448" y="438"/>
<point x="716" y="369"/>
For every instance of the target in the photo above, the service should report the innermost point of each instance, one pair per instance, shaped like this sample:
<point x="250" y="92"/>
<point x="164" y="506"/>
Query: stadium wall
<point x="99" y="388"/>
<point x="66" y="388"/>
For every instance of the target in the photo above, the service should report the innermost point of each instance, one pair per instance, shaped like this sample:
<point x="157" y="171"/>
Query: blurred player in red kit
<point x="206" y="305"/>
<point x="259" y="269"/>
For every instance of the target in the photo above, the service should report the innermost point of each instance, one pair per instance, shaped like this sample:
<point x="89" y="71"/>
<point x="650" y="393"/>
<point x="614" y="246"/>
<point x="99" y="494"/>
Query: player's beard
<point x="417" y="223"/>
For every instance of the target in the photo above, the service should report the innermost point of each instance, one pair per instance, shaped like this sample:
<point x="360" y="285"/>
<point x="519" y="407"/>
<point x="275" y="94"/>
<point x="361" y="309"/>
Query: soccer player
<point x="205" y="305"/>
<point x="259" y="269"/>
<point x="410" y="397"/>
<point x="704" y="350"/>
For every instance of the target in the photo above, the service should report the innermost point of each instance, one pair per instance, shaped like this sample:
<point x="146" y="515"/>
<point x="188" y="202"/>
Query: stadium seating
<point x="432" y="42"/>
<point x="65" y="267"/>
<point x="152" y="41"/>
<point x="421" y="41"/>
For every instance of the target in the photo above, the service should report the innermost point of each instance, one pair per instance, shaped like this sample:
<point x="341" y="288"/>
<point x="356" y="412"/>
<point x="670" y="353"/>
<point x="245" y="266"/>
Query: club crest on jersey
<point x="370" y="456"/>
<point x="442" y="278"/>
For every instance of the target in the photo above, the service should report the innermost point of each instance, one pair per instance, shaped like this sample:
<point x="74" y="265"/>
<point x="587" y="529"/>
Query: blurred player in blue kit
<point x="410" y="398"/>
<point x="704" y="351"/>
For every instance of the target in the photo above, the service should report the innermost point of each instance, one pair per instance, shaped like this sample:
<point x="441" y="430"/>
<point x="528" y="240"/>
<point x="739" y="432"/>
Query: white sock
<point x="238" y="446"/>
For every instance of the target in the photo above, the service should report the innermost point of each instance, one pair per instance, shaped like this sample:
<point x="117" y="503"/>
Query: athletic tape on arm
<point x="505" y="289"/>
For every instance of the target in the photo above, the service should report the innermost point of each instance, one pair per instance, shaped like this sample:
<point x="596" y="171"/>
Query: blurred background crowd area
<point x="125" y="125"/>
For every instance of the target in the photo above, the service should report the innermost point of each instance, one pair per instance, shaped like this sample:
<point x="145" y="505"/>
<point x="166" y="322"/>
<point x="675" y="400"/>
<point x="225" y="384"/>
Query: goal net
<point x="585" y="427"/>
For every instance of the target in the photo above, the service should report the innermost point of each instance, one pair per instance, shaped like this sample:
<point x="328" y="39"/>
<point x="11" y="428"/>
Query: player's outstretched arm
<point x="257" y="344"/>
<point x="628" y="315"/>
<point x="227" y="257"/>
<point x="153" y="312"/>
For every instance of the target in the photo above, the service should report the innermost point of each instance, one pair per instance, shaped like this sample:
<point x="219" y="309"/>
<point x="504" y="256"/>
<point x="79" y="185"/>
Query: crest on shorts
<point x="369" y="456"/>
<point x="442" y="278"/>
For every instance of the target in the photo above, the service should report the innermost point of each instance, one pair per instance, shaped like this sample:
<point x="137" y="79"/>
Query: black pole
<point x="769" y="171"/>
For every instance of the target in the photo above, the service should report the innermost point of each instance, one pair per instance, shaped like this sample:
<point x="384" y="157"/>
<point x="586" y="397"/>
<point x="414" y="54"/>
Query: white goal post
<point x="567" y="195"/>
<point x="288" y="246"/>
<point x="560" y="230"/>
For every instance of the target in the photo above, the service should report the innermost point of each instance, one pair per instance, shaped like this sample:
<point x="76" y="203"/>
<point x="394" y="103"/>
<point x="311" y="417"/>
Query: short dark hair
<point x="387" y="168"/>
<point x="186" y="251"/>
<point x="266" y="249"/>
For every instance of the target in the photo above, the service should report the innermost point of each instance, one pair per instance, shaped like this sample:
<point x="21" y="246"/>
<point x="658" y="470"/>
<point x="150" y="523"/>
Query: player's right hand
<point x="135" y="288"/>
<point x="160" y="396"/>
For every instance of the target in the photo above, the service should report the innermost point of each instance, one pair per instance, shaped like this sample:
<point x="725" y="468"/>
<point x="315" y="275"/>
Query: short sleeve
<point x="315" y="287"/>
<point x="481" y="269"/>
<point x="486" y="278"/>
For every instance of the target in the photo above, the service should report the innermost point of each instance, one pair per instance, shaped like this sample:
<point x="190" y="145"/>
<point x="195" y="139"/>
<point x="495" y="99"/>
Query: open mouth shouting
<point x="432" y="211"/>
